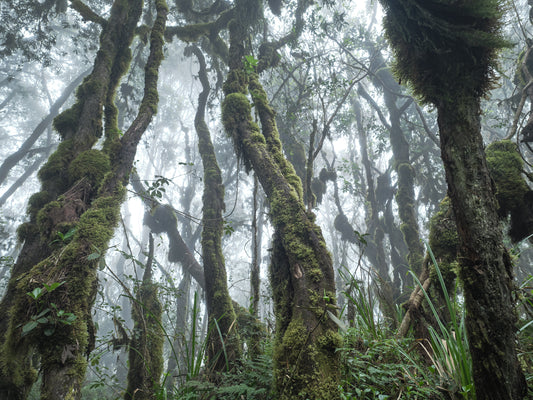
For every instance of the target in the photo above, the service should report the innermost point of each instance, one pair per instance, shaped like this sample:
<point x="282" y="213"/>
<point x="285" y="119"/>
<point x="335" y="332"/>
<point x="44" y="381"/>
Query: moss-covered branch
<point x="87" y="13"/>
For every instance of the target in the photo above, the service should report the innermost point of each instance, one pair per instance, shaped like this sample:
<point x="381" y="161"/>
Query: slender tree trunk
<point x="223" y="348"/>
<point x="146" y="347"/>
<point x="14" y="158"/>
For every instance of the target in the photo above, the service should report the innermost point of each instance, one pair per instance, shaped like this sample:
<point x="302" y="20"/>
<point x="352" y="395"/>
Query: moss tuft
<point x="37" y="201"/>
<point x="91" y="164"/>
<point x="506" y="165"/>
<point x="53" y="174"/>
<point x="66" y="123"/>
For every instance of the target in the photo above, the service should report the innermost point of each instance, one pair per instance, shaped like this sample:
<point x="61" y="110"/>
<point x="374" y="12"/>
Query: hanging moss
<point x="512" y="191"/>
<point x="66" y="123"/>
<point x="37" y="201"/>
<point x="53" y="174"/>
<point x="423" y="36"/>
<point x="444" y="243"/>
<point x="506" y="165"/>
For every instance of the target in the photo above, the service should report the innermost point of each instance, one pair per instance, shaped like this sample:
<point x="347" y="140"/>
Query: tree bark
<point x="485" y="269"/>
<point x="223" y="347"/>
<point x="305" y="361"/>
<point x="146" y="347"/>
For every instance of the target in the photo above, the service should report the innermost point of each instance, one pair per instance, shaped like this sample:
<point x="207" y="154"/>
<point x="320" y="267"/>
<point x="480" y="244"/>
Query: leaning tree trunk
<point x="447" y="52"/>
<point x="305" y="361"/>
<point x="83" y="189"/>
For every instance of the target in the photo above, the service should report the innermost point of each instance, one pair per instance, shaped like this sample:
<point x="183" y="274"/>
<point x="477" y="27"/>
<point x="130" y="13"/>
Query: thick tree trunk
<point x="303" y="280"/>
<point x="485" y="266"/>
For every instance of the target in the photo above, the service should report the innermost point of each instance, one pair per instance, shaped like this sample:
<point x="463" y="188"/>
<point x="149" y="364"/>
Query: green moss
<point x="236" y="82"/>
<point x="315" y="275"/>
<point x="424" y="37"/>
<point x="37" y="201"/>
<point x="443" y="238"/>
<point x="330" y="341"/>
<point x="506" y="166"/>
<point x="26" y="230"/>
<point x="46" y="220"/>
<point x="257" y="137"/>
<point x="90" y="164"/>
<point x="296" y="359"/>
<point x="235" y="109"/>
<point x="53" y="174"/>
<point x="66" y="123"/>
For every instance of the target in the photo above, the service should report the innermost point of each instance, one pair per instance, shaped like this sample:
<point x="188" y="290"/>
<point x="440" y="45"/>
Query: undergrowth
<point x="381" y="369"/>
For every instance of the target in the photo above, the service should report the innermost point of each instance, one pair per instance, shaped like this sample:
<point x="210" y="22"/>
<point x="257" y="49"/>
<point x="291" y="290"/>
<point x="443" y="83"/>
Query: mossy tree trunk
<point x="447" y="51"/>
<point x="486" y="270"/>
<point x="303" y="282"/>
<point x="146" y="346"/>
<point x="82" y="189"/>
<point x="223" y="347"/>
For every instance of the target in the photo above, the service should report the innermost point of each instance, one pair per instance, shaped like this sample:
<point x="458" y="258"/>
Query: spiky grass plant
<point x="449" y="349"/>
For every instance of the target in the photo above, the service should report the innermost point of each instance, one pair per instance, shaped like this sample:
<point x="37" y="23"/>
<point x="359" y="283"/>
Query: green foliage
<point x="250" y="64"/>
<point x="449" y="344"/>
<point x="48" y="314"/>
<point x="252" y="380"/>
<point x="365" y="305"/>
<point x="382" y="369"/>
<point x="156" y="189"/>
<point x="64" y="237"/>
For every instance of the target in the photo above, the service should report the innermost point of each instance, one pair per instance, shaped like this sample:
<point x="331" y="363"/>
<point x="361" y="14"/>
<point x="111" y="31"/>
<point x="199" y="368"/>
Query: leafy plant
<point x="365" y="304"/>
<point x="156" y="189"/>
<point x="379" y="369"/>
<point x="250" y="64"/>
<point x="64" y="237"/>
<point x="48" y="315"/>
<point x="449" y="344"/>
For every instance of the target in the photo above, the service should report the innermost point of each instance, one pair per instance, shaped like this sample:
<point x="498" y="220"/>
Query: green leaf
<point x="41" y="314"/>
<point x="342" y="326"/>
<point x="29" y="327"/>
<point x="36" y="293"/>
<point x="93" y="256"/>
<point x="42" y="320"/>
<point x="69" y="234"/>
<point x="53" y="286"/>
<point x="49" y="331"/>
